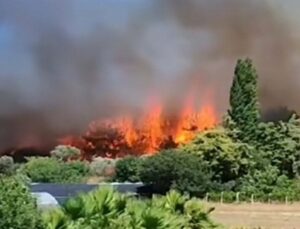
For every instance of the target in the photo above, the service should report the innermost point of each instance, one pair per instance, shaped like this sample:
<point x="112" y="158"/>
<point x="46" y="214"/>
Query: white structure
<point x="45" y="200"/>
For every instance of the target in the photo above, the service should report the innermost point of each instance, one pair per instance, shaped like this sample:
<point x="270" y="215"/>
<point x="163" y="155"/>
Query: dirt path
<point x="269" y="216"/>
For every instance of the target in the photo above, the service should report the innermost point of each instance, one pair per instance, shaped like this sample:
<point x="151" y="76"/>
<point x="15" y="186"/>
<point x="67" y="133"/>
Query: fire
<point x="125" y="125"/>
<point x="192" y="121"/>
<point x="153" y="125"/>
<point x="151" y="132"/>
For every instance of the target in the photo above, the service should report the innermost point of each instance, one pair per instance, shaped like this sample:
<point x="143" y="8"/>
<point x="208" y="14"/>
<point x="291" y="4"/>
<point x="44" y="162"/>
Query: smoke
<point x="64" y="63"/>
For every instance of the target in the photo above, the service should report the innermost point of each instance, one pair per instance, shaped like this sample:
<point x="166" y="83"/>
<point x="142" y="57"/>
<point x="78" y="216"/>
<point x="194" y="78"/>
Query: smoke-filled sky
<point x="64" y="63"/>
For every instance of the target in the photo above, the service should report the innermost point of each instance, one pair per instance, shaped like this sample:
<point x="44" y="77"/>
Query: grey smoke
<point x="64" y="63"/>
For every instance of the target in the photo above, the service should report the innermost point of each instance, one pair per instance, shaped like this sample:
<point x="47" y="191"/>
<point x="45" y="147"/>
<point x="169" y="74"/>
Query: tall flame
<point x="148" y="134"/>
<point x="152" y="125"/>
<point x="192" y="121"/>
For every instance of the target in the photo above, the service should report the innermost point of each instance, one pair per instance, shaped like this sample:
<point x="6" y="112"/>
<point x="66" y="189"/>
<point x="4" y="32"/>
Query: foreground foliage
<point x="17" y="207"/>
<point x="109" y="209"/>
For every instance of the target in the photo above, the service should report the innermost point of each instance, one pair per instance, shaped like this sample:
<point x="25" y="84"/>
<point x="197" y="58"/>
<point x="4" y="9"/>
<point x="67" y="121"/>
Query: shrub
<point x="108" y="209"/>
<point x="73" y="172"/>
<point x="102" y="166"/>
<point x="64" y="152"/>
<point x="127" y="169"/>
<point x="17" y="207"/>
<point x="45" y="170"/>
<point x="51" y="170"/>
<point x="178" y="170"/>
<point x="7" y="166"/>
<point x="269" y="184"/>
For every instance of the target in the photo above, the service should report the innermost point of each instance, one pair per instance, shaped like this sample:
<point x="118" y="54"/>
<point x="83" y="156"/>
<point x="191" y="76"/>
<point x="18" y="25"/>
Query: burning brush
<point x="154" y="131"/>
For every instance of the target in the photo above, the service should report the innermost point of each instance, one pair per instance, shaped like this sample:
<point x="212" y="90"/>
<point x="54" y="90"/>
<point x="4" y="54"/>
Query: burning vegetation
<point x="153" y="130"/>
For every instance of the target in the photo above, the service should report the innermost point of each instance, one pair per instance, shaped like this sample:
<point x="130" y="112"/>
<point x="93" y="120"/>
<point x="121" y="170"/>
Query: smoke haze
<point x="65" y="63"/>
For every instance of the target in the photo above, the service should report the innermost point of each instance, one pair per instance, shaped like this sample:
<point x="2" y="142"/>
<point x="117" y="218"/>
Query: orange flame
<point x="148" y="134"/>
<point x="152" y="126"/>
<point x="125" y="124"/>
<point x="192" y="121"/>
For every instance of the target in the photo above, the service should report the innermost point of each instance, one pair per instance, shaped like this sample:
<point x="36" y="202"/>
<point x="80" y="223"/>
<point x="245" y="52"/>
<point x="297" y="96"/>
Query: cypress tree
<point x="244" y="106"/>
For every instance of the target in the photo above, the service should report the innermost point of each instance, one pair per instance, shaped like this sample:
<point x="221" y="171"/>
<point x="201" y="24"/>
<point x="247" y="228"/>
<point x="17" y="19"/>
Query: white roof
<point x="45" y="199"/>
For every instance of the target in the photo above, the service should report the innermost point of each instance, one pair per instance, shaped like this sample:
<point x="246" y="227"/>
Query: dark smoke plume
<point x="65" y="63"/>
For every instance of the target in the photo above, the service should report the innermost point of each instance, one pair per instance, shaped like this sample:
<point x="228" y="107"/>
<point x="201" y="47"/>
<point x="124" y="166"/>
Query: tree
<point x="228" y="159"/>
<point x="244" y="106"/>
<point x="17" y="207"/>
<point x="279" y="143"/>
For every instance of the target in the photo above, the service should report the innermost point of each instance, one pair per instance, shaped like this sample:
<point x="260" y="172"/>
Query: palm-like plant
<point x="197" y="215"/>
<point x="174" y="201"/>
<point x="158" y="218"/>
<point x="106" y="208"/>
<point x="55" y="219"/>
<point x="73" y="207"/>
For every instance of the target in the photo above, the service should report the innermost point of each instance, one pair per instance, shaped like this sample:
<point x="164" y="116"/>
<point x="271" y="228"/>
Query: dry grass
<point x="258" y="216"/>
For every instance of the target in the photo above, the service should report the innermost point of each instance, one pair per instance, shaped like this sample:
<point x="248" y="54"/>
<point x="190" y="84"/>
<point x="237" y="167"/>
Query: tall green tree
<point x="244" y="106"/>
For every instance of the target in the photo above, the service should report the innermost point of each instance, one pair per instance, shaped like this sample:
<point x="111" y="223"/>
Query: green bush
<point x="259" y="182"/>
<point x="73" y="172"/>
<point x="109" y="209"/>
<point x="7" y="166"/>
<point x="176" y="170"/>
<point x="268" y="184"/>
<point x="44" y="170"/>
<point x="51" y="170"/>
<point x="280" y="145"/>
<point x="17" y="207"/>
<point x="127" y="169"/>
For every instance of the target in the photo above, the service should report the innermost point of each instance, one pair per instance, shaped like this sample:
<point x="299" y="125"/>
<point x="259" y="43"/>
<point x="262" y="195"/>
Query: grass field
<point x="267" y="216"/>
